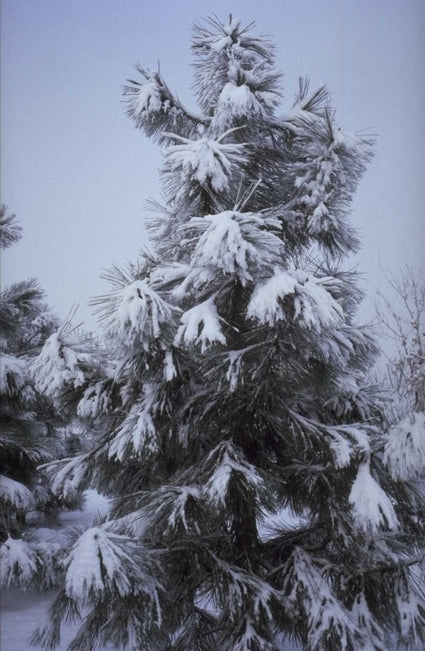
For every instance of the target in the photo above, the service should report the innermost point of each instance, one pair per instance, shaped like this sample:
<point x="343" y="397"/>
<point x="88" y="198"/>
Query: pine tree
<point x="242" y="446"/>
<point x="29" y="427"/>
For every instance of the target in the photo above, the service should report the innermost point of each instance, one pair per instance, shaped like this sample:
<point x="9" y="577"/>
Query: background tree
<point x="234" y="393"/>
<point x="29" y="424"/>
<point x="403" y="321"/>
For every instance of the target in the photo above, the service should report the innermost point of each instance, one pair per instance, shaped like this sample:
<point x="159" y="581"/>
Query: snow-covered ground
<point x="22" y="612"/>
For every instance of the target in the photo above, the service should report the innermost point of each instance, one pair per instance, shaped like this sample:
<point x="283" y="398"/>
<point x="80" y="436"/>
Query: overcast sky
<point x="77" y="174"/>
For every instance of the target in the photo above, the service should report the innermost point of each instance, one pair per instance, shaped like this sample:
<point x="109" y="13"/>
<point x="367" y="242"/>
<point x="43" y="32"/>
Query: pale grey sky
<point x="77" y="174"/>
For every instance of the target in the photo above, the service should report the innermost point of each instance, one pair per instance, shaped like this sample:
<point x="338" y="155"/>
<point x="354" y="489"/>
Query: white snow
<point x="233" y="373"/>
<point x="265" y="304"/>
<point x="141" y="313"/>
<point x="313" y="306"/>
<point x="13" y="374"/>
<point x="170" y="371"/>
<point x="238" y="100"/>
<point x="15" y="494"/>
<point x="227" y="461"/>
<point x="138" y="430"/>
<point x="233" y="243"/>
<point x="67" y="475"/>
<point x="371" y="506"/>
<point x="205" y="160"/>
<point x="95" y="562"/>
<point x="18" y="562"/>
<point x="147" y="99"/>
<point x="341" y="449"/>
<point x="201" y="325"/>
<point x="404" y="452"/>
<point x="23" y="611"/>
<point x="178" y="510"/>
<point x="95" y="401"/>
<point x="59" y="365"/>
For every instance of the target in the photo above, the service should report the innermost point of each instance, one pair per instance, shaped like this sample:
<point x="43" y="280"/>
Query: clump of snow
<point x="371" y="506"/>
<point x="179" y="505"/>
<point x="138" y="430"/>
<point x="410" y="609"/>
<point x="364" y="619"/>
<point x="147" y="99"/>
<point x="238" y="100"/>
<point x="95" y="401"/>
<point x="226" y="460"/>
<point x="141" y="313"/>
<point x="15" y="494"/>
<point x="13" y="374"/>
<point x="404" y="452"/>
<point x="170" y="371"/>
<point x="221" y="43"/>
<point x="201" y="324"/>
<point x="232" y="243"/>
<point x="233" y="374"/>
<point x="68" y="475"/>
<point x="60" y="363"/>
<point x="313" y="306"/>
<point x="205" y="160"/>
<point x="307" y="590"/>
<point x="346" y="439"/>
<point x="341" y="449"/>
<point x="95" y="563"/>
<point x="18" y="562"/>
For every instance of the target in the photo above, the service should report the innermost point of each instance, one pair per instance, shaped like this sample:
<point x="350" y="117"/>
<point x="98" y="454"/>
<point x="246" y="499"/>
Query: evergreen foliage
<point x="241" y="445"/>
<point x="28" y="422"/>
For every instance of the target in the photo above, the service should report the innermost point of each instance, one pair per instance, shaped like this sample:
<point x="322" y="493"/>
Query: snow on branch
<point x="364" y="619"/>
<point x="205" y="161"/>
<point x="223" y="462"/>
<point x="137" y="433"/>
<point x="201" y="325"/>
<point x="229" y="54"/>
<point x="32" y="565"/>
<point x="15" y="495"/>
<point x="410" y="603"/>
<point x="136" y="313"/>
<point x="297" y="296"/>
<point x="241" y="100"/>
<point x="66" y="360"/>
<point x="168" y="509"/>
<point x="242" y="593"/>
<point x="371" y="506"/>
<point x="307" y="592"/>
<point x="96" y="400"/>
<point x="103" y="563"/>
<point x="155" y="109"/>
<point x="13" y="375"/>
<point x="404" y="452"/>
<point x="18" y="563"/>
<point x="69" y="476"/>
<point x="233" y="243"/>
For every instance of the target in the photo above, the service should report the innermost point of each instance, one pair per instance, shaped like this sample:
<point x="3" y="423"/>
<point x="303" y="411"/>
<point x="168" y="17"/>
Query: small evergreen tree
<point x="243" y="449"/>
<point x="29" y="422"/>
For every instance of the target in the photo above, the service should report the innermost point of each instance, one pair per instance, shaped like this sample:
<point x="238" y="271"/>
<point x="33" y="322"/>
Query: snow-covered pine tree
<point x="28" y="422"/>
<point x="241" y="445"/>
